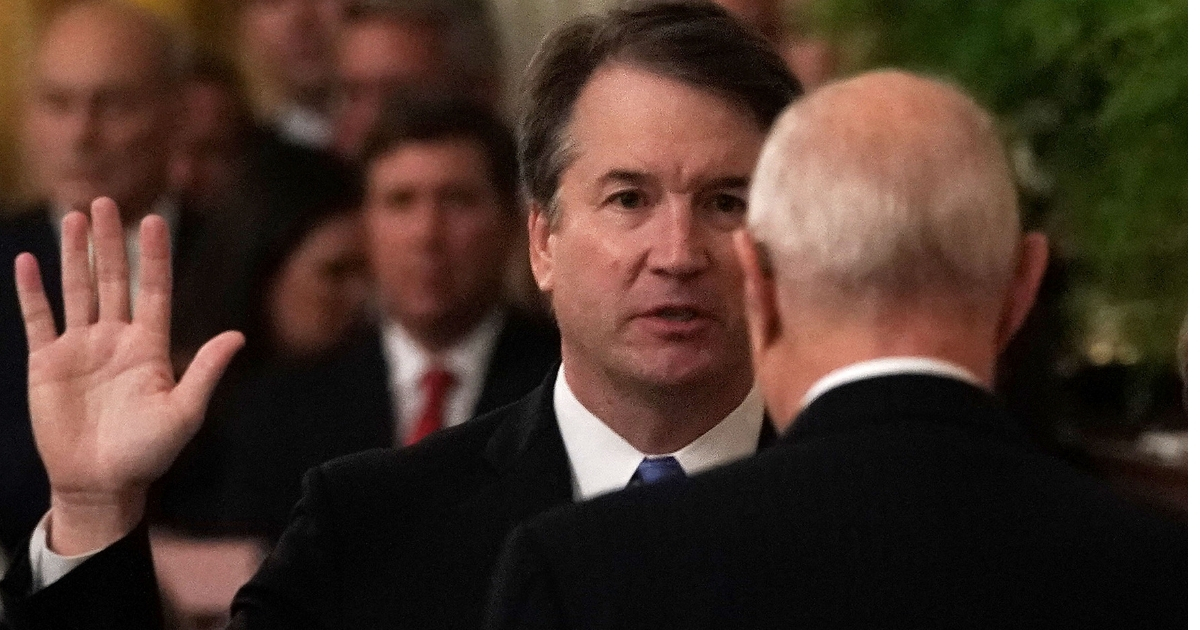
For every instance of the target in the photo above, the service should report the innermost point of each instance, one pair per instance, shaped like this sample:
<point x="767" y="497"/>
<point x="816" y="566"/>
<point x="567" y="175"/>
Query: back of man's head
<point x="887" y="216"/>
<point x="884" y="188"/>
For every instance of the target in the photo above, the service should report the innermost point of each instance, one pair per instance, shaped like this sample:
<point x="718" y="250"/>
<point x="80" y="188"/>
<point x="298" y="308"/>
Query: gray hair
<point x="884" y="187"/>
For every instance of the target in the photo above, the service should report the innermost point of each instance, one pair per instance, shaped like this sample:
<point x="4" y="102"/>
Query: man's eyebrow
<point x="625" y="176"/>
<point x="727" y="182"/>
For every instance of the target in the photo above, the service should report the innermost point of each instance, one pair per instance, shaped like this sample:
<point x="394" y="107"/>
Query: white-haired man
<point x="885" y="270"/>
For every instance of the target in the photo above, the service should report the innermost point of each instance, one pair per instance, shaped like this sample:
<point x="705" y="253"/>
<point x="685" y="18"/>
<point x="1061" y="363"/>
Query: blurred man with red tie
<point x="442" y="221"/>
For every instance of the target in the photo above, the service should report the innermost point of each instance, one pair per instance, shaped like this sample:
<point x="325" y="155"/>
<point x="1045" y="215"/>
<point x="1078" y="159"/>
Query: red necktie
<point x="435" y="384"/>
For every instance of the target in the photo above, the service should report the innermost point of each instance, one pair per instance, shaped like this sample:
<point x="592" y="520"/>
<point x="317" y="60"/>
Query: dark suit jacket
<point x="24" y="490"/>
<point x="293" y="419"/>
<point x="381" y="539"/>
<point x="903" y="501"/>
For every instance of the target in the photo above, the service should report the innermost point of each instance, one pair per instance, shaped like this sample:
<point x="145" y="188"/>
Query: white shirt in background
<point x="304" y="126"/>
<point x="407" y="362"/>
<point x="165" y="207"/>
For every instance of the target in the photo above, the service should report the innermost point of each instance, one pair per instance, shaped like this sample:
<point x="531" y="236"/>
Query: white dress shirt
<point x="407" y="362"/>
<point x="602" y="461"/>
<point x="888" y="366"/>
<point x="304" y="126"/>
<point x="165" y="207"/>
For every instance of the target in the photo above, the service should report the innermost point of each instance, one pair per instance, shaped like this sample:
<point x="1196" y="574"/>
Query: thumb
<point x="197" y="383"/>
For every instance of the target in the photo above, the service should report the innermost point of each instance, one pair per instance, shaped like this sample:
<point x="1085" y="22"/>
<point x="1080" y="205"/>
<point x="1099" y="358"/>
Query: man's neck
<point x="787" y="373"/>
<point x="656" y="419"/>
<point x="438" y="339"/>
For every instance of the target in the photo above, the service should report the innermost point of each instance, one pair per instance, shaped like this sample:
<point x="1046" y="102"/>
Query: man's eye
<point x="461" y="199"/>
<point x="627" y="199"/>
<point x="56" y="101"/>
<point x="398" y="201"/>
<point x="728" y="204"/>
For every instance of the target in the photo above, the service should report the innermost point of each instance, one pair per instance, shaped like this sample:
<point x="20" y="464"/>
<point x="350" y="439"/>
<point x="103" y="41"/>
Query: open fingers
<point x="153" y="307"/>
<point x="112" y="266"/>
<point x="76" y="274"/>
<point x="35" y="310"/>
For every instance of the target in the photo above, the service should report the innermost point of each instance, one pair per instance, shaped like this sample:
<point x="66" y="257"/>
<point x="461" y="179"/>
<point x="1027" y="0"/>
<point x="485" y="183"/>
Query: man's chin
<point x="682" y="368"/>
<point x="77" y="197"/>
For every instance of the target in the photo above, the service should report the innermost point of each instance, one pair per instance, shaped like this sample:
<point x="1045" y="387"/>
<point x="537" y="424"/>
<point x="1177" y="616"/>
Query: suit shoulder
<point x="531" y="330"/>
<point x="452" y="452"/>
<point x="26" y="228"/>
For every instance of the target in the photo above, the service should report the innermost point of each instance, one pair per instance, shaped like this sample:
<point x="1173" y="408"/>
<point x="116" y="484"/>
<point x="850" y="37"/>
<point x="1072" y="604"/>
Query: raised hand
<point x="108" y="416"/>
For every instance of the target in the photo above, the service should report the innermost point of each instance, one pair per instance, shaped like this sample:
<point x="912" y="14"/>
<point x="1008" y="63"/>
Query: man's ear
<point x="762" y="307"/>
<point x="1032" y="258"/>
<point x="541" y="247"/>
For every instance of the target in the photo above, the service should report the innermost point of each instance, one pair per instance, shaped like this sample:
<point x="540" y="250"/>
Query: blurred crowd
<point x="366" y="232"/>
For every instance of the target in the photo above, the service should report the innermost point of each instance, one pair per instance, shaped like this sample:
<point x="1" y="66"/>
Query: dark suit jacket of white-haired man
<point x="885" y="270"/>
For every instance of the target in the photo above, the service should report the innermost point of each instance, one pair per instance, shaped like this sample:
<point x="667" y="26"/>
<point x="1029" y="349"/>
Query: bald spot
<point x="888" y="116"/>
<point x="888" y="182"/>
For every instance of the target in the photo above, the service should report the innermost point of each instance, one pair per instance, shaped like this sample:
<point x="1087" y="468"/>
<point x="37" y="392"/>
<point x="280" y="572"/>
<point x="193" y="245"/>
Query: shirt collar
<point x="304" y="126"/>
<point x="602" y="461"/>
<point x="408" y="360"/>
<point x="888" y="366"/>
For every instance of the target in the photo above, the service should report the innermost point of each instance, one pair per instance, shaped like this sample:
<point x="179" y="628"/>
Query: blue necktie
<point x="656" y="470"/>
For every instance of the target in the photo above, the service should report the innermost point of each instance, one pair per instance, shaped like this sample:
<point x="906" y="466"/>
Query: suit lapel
<point x="527" y="454"/>
<point x="525" y="350"/>
<point x="373" y="381"/>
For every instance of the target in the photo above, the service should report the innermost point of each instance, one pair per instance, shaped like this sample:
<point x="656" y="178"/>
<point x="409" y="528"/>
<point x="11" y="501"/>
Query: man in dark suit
<point x="442" y="217"/>
<point x="637" y="142"/>
<point x="884" y="273"/>
<point x="98" y="121"/>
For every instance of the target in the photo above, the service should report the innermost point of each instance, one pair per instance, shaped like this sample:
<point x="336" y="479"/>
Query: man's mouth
<point x="676" y="313"/>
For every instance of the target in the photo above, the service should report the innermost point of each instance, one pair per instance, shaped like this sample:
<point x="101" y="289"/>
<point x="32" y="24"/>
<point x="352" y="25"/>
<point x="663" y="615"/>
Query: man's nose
<point x="84" y="124"/>
<point x="429" y="223"/>
<point x="679" y="247"/>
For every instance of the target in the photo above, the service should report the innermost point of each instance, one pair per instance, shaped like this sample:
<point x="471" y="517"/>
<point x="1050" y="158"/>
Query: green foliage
<point x="1093" y="95"/>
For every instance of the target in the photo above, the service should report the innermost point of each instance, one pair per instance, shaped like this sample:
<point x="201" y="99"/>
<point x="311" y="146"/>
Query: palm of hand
<point x="102" y="409"/>
<point x="108" y="416"/>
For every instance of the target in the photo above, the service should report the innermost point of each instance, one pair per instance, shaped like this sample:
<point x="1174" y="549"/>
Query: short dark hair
<point x="407" y="118"/>
<point x="697" y="43"/>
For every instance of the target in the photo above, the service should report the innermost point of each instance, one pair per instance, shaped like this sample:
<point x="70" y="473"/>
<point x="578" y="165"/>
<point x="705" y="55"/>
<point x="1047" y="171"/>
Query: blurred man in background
<point x="416" y="47"/>
<point x="289" y="45"/>
<point x="812" y="59"/>
<point x="885" y="271"/>
<point x="442" y="217"/>
<point x="209" y="156"/>
<point x="98" y="120"/>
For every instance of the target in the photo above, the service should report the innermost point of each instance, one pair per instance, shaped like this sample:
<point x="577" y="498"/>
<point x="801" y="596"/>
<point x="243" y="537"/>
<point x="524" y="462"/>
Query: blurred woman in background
<point x="304" y="288"/>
